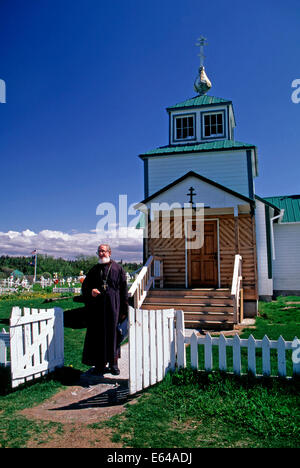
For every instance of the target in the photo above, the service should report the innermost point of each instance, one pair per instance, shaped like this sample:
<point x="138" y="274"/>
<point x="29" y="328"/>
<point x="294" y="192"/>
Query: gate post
<point x="180" y="335"/>
<point x="132" y="351"/>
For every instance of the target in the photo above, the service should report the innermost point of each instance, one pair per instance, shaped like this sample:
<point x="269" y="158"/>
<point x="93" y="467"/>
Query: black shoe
<point x="114" y="370"/>
<point x="98" y="372"/>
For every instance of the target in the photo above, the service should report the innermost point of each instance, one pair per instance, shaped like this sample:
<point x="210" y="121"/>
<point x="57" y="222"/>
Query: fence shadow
<point x="114" y="396"/>
<point x="4" y="321"/>
<point x="75" y="318"/>
<point x="5" y="380"/>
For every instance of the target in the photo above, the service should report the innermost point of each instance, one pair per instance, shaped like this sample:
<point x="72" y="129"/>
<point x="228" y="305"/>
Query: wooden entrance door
<point x="203" y="262"/>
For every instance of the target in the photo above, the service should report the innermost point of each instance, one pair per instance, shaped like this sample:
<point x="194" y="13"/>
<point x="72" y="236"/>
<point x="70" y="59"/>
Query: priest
<point x="105" y="292"/>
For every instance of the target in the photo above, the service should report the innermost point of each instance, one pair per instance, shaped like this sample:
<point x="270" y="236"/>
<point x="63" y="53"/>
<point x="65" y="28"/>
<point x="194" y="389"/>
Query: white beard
<point x="104" y="260"/>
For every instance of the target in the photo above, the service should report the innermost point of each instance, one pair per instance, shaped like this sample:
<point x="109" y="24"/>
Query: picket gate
<point x="152" y="346"/>
<point x="36" y="343"/>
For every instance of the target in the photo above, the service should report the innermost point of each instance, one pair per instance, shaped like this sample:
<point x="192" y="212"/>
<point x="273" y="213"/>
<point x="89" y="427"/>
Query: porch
<point x="202" y="307"/>
<point x="203" y="254"/>
<point x="209" y="308"/>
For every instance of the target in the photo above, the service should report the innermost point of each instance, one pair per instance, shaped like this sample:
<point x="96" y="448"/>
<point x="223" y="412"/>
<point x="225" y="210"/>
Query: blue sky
<point x="87" y="86"/>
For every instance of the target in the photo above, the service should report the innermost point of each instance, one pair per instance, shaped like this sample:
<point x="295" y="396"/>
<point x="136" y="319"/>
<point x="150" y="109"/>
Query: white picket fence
<point x="36" y="340"/>
<point x="157" y="344"/>
<point x="236" y="343"/>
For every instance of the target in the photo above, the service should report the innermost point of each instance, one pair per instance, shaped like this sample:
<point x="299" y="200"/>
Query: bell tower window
<point x="184" y="127"/>
<point x="213" y="125"/>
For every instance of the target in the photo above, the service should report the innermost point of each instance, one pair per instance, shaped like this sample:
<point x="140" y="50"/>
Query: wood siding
<point x="206" y="193"/>
<point x="172" y="250"/>
<point x="227" y="168"/>
<point x="265" y="284"/>
<point x="286" y="266"/>
<point x="235" y="236"/>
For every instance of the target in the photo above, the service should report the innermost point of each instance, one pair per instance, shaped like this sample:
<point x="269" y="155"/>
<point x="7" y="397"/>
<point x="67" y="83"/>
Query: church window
<point x="213" y="125"/>
<point x="184" y="127"/>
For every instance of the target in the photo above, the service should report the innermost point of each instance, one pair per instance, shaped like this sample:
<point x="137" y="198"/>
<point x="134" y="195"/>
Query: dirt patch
<point x="75" y="436"/>
<point x="90" y="400"/>
<point x="80" y="404"/>
<point x="76" y="408"/>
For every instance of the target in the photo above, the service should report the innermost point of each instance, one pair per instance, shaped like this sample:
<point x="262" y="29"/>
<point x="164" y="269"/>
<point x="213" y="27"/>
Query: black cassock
<point x="104" y="313"/>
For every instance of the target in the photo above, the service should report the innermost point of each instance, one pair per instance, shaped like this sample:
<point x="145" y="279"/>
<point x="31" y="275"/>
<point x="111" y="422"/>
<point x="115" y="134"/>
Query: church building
<point x="219" y="281"/>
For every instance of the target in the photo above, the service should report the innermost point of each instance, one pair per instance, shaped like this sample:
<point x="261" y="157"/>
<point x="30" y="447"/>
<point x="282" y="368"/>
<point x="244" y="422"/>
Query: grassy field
<point x="193" y="409"/>
<point x="199" y="409"/>
<point x="187" y="409"/>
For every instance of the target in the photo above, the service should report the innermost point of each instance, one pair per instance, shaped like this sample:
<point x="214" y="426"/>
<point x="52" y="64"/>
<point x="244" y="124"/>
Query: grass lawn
<point x="187" y="409"/>
<point x="197" y="409"/>
<point x="193" y="409"/>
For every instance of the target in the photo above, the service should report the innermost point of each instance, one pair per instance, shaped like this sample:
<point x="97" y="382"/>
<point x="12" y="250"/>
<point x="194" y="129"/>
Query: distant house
<point x="17" y="274"/>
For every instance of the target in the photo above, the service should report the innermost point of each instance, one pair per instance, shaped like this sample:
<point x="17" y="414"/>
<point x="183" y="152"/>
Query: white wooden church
<point x="250" y="245"/>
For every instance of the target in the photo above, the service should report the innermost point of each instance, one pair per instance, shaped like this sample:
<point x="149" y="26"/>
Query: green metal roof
<point x="18" y="273"/>
<point x="291" y="206"/>
<point x="141" y="222"/>
<point x="208" y="146"/>
<point x="199" y="101"/>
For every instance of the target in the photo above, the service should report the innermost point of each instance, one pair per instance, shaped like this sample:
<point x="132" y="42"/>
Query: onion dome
<point x="202" y="83"/>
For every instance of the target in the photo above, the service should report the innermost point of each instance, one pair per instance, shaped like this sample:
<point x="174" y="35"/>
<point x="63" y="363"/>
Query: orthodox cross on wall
<point x="191" y="194"/>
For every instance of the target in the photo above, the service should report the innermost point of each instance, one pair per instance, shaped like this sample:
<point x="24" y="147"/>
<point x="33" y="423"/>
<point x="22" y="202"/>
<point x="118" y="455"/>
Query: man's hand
<point x="95" y="292"/>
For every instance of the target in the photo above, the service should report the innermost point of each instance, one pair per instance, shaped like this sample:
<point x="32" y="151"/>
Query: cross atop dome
<point x="202" y="83"/>
<point x="201" y="43"/>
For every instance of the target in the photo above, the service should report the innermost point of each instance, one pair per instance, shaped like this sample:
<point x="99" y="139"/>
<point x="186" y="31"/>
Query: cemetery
<point x="23" y="284"/>
<point x="18" y="285"/>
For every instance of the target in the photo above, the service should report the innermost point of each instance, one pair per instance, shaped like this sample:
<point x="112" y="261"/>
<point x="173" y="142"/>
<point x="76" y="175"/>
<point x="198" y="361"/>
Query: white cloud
<point x="126" y="245"/>
<point x="55" y="235"/>
<point x="28" y="233"/>
<point x="12" y="234"/>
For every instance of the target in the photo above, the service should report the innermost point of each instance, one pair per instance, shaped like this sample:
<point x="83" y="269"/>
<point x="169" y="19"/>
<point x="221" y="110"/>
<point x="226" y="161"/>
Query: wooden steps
<point x="203" y="308"/>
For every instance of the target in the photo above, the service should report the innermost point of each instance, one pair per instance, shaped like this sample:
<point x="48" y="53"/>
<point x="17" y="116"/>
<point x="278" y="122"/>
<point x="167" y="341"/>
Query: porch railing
<point x="236" y="290"/>
<point x="150" y="272"/>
